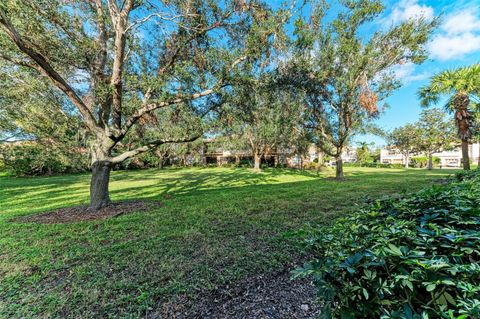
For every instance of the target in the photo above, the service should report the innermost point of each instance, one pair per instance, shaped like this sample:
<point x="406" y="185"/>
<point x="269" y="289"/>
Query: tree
<point x="460" y="86"/>
<point x="117" y="62"/>
<point x="435" y="133"/>
<point x="268" y="118"/>
<point x="406" y="140"/>
<point x="363" y="152"/>
<point x="344" y="73"/>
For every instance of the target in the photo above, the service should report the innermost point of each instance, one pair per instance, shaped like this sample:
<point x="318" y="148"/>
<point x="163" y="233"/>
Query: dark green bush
<point x="30" y="158"/>
<point x="411" y="257"/>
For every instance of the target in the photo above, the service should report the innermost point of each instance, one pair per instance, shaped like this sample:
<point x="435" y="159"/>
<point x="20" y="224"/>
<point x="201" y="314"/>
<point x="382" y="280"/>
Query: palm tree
<point x="462" y="87"/>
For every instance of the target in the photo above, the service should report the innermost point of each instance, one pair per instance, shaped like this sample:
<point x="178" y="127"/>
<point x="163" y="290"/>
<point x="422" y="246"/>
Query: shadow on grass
<point x="216" y="184"/>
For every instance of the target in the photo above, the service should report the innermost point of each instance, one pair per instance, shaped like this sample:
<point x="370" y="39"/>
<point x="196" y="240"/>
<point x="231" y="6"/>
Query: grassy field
<point x="215" y="226"/>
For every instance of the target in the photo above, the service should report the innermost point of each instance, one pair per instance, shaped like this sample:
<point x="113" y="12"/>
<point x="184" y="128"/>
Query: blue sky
<point x="455" y="43"/>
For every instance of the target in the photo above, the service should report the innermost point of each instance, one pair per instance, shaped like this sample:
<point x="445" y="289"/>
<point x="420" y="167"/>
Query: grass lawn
<point x="215" y="226"/>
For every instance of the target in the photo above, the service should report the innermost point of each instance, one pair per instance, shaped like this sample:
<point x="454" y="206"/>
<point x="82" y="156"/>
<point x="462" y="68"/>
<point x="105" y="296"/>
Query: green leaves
<point x="411" y="257"/>
<point x="394" y="250"/>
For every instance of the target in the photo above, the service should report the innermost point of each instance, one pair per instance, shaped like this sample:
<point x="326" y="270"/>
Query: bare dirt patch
<point x="84" y="213"/>
<point x="265" y="296"/>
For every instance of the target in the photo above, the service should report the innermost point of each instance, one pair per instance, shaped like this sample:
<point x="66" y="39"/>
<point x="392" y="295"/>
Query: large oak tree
<point x="118" y="62"/>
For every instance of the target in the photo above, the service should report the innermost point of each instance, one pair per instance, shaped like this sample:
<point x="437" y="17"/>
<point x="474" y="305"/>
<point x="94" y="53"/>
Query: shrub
<point x="31" y="158"/>
<point x="410" y="257"/>
<point x="373" y="164"/>
<point x="422" y="161"/>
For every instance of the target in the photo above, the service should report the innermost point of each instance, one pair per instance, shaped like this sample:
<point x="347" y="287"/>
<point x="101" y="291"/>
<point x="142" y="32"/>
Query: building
<point x="451" y="158"/>
<point x="214" y="154"/>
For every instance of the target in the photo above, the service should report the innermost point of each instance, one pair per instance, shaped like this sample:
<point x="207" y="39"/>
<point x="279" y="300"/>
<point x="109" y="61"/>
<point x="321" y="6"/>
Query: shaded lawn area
<point x="215" y="226"/>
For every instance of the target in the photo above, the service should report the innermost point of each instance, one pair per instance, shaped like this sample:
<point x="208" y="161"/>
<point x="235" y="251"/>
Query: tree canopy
<point x="346" y="74"/>
<point x="118" y="62"/>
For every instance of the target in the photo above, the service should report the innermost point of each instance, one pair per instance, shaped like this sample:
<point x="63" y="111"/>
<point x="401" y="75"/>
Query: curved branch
<point x="45" y="68"/>
<point x="151" y="145"/>
<point x="149" y="107"/>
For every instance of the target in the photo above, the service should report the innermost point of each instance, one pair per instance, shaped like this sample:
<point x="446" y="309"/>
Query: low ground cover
<point x="412" y="257"/>
<point x="215" y="227"/>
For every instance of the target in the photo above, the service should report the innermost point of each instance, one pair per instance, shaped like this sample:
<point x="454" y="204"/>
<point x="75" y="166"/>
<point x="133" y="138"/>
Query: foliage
<point x="33" y="158"/>
<point x="461" y="87"/>
<point x="260" y="117"/>
<point x="116" y="62"/>
<point x="405" y="139"/>
<point x="422" y="161"/>
<point x="344" y="74"/>
<point x="436" y="133"/>
<point x="364" y="154"/>
<point x="411" y="257"/>
<point x="374" y="164"/>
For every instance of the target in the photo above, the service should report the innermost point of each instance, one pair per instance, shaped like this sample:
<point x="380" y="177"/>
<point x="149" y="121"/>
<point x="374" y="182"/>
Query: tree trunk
<point x="99" y="196"/>
<point x="257" y="161"/>
<point x="430" y="161"/>
<point x="320" y="159"/>
<point x="339" y="168"/>
<point x="407" y="159"/>
<point x="465" y="156"/>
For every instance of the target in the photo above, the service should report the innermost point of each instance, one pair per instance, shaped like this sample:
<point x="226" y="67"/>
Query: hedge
<point x="415" y="256"/>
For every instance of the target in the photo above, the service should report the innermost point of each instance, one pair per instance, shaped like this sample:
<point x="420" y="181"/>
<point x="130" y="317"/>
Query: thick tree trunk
<point x="99" y="195"/>
<point x="339" y="168"/>
<point x="430" y="161"/>
<point x="465" y="156"/>
<point x="257" y="161"/>
<point x="407" y="159"/>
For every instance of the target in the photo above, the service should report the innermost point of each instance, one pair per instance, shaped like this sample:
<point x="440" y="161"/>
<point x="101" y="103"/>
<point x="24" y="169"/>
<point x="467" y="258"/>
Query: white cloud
<point x="406" y="73"/>
<point x="458" y="35"/>
<point x="409" y="9"/>
<point x="447" y="46"/>
<point x="460" y="22"/>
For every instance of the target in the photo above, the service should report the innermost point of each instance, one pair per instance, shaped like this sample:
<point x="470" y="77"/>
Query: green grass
<point x="215" y="226"/>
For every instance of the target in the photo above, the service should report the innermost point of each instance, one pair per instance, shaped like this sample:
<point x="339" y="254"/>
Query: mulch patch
<point x="268" y="296"/>
<point x="84" y="213"/>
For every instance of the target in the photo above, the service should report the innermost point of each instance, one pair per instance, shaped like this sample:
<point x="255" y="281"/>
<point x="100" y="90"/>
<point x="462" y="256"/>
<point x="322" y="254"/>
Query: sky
<point x="455" y="43"/>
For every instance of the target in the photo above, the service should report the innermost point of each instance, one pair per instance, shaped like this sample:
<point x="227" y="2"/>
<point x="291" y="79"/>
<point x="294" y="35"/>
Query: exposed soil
<point x="84" y="213"/>
<point x="272" y="296"/>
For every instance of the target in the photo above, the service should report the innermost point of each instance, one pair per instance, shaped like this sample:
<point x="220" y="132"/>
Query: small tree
<point x="406" y="140"/>
<point x="345" y="73"/>
<point x="363" y="153"/>
<point x="435" y="133"/>
<point x="262" y="118"/>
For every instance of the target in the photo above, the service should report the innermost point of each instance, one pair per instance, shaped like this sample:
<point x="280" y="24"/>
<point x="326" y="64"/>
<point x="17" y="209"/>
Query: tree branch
<point x="151" y="145"/>
<point x="149" y="107"/>
<point x="45" y="68"/>
<point x="120" y="20"/>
